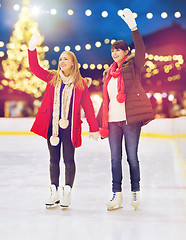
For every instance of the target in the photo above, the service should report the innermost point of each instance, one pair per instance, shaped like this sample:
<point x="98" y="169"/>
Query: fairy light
<point x="45" y="48"/>
<point x="77" y="47"/>
<point x="120" y="13"/>
<point x="99" y="66"/>
<point x="53" y="11"/>
<point x="2" y="54"/>
<point x="2" y="44"/>
<point x="85" y="66"/>
<point x="113" y="41"/>
<point x="70" y="12"/>
<point x="149" y="15"/>
<point x="177" y="14"/>
<point x="88" y="12"/>
<point x="98" y="44"/>
<point x="16" y="7"/>
<point x="35" y="11"/>
<point x="92" y="66"/>
<point x="158" y="97"/>
<point x="105" y="66"/>
<point x="104" y="14"/>
<point x="106" y="41"/>
<point x="67" y="48"/>
<point x="56" y="49"/>
<point x="87" y="46"/>
<point x="135" y="15"/>
<point x="164" y="15"/>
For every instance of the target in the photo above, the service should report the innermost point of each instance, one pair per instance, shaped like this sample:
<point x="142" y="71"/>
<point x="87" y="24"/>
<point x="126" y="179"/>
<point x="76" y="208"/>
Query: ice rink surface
<point x="24" y="188"/>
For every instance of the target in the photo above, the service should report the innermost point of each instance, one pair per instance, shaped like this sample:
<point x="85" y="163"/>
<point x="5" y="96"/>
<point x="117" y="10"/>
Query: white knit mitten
<point x="34" y="41"/>
<point x="128" y="17"/>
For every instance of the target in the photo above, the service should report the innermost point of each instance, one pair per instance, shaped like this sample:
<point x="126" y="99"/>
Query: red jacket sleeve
<point x="36" y="69"/>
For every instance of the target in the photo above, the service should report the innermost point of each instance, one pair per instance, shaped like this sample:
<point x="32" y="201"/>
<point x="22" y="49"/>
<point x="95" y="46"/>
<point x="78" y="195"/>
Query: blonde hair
<point x="75" y="73"/>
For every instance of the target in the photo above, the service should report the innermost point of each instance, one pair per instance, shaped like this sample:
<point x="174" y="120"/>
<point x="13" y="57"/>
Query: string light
<point x="70" y="12"/>
<point x="53" y="11"/>
<point x="88" y="12"/>
<point x="120" y="12"/>
<point x="104" y="14"/>
<point x="16" y="7"/>
<point x="98" y="44"/>
<point x="164" y="15"/>
<point x="177" y="14"/>
<point x="56" y="49"/>
<point x="2" y="54"/>
<point x="77" y="47"/>
<point x="88" y="46"/>
<point x="85" y="66"/>
<point x="35" y="11"/>
<point x="149" y="15"/>
<point x="67" y="48"/>
<point x="2" y="44"/>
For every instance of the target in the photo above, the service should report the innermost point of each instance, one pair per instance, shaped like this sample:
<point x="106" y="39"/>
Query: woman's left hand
<point x="129" y="18"/>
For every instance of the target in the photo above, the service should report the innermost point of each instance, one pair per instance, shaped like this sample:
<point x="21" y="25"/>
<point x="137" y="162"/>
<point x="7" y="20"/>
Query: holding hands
<point x="128" y="17"/>
<point x="94" y="135"/>
<point x="34" y="41"/>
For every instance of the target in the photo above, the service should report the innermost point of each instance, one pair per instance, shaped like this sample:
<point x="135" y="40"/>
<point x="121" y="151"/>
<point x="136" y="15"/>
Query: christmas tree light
<point x="16" y="68"/>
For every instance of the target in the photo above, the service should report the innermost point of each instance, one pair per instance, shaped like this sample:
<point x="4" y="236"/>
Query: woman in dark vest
<point x="125" y="109"/>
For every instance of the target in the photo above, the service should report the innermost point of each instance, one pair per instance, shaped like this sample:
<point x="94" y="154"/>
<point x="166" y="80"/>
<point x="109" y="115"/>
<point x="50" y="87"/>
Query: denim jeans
<point x="68" y="157"/>
<point x="131" y="135"/>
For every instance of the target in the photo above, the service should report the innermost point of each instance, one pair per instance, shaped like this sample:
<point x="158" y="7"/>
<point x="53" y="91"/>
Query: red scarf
<point x="120" y="96"/>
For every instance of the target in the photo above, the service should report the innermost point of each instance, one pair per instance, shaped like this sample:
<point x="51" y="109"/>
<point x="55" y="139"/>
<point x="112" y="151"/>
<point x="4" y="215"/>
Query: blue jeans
<point x="131" y="134"/>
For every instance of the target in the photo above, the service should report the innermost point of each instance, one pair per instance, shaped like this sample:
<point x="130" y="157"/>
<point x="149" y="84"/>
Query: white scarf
<point x="65" y="104"/>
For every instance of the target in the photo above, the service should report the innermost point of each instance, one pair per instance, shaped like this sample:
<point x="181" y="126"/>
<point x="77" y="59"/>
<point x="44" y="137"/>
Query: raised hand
<point x="34" y="41"/>
<point x="128" y="17"/>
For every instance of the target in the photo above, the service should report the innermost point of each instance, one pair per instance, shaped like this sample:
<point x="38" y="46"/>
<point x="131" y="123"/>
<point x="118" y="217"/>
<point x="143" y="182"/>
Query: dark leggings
<point x="68" y="158"/>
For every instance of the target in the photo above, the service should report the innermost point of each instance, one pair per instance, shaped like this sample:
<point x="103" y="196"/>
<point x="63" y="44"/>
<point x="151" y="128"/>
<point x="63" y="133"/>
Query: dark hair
<point x="120" y="45"/>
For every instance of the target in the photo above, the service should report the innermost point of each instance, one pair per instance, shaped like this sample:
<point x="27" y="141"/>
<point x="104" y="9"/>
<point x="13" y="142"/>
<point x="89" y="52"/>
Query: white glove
<point x="34" y="41"/>
<point x="128" y="17"/>
<point x="94" y="135"/>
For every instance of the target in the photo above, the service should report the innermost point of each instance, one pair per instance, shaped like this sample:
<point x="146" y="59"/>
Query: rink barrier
<point x="164" y="128"/>
<point x="174" y="129"/>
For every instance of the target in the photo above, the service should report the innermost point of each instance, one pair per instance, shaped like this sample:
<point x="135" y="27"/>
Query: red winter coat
<point x="44" y="115"/>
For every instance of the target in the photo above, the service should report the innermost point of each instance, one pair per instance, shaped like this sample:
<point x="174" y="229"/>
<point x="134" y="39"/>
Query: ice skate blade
<point x="114" y="208"/>
<point x="48" y="206"/>
<point x="63" y="208"/>
<point x="51" y="206"/>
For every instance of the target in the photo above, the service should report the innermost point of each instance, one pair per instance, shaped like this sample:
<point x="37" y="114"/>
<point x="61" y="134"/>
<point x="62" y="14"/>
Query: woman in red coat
<point x="58" y="118"/>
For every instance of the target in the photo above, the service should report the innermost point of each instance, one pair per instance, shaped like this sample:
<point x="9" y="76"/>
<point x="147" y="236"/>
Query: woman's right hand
<point x="34" y="41"/>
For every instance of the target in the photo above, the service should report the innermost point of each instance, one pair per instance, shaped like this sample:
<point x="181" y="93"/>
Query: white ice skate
<point x="54" y="198"/>
<point x="115" y="202"/>
<point x="66" y="196"/>
<point x="135" y="199"/>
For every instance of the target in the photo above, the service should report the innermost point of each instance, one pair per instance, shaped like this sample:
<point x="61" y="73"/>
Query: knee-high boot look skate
<point x="66" y="196"/>
<point x="115" y="202"/>
<point x="135" y="202"/>
<point x="54" y="198"/>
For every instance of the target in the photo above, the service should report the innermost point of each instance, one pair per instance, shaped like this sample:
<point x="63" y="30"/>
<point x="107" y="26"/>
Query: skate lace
<point x="113" y="197"/>
<point x="135" y="196"/>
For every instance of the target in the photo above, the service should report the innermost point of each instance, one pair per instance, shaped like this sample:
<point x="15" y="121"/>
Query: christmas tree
<point x="16" y="69"/>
